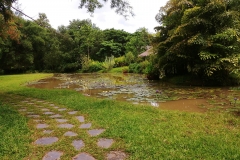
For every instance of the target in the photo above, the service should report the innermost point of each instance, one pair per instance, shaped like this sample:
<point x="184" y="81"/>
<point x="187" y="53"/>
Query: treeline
<point x="34" y="46"/>
<point x="200" y="38"/>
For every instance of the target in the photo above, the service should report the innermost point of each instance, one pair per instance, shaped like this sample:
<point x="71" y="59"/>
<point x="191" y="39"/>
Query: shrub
<point x="95" y="66"/>
<point x="129" y="58"/>
<point x="108" y="63"/>
<point x="120" y="61"/>
<point x="138" y="67"/>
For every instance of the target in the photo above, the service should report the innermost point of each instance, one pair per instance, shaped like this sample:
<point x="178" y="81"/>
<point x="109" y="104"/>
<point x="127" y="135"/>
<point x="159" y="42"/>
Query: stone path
<point x="50" y="119"/>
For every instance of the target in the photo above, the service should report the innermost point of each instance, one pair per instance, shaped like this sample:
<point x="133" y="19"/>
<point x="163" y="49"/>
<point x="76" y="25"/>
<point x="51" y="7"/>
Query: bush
<point x="89" y="65"/>
<point x="120" y="61"/>
<point x="95" y="66"/>
<point x="108" y="64"/>
<point x="129" y="58"/>
<point x="138" y="67"/>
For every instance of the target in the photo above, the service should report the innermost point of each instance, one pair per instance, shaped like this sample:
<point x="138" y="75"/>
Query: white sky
<point x="60" y="12"/>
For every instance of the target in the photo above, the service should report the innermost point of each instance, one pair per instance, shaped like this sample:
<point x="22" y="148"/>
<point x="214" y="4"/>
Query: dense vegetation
<point x="200" y="37"/>
<point x="197" y="38"/>
<point x="35" y="46"/>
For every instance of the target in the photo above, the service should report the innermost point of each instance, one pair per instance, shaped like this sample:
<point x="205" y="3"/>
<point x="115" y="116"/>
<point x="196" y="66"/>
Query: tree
<point x="199" y="37"/>
<point x="113" y="43"/>
<point x="5" y="8"/>
<point x="122" y="6"/>
<point x="138" y="41"/>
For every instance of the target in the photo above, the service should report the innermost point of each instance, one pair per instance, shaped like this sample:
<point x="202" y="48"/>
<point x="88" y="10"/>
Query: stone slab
<point x="72" y="112"/>
<point x="45" y="109"/>
<point x="80" y="118"/>
<point x="85" y="126"/>
<point x="46" y="140"/>
<point x="56" y="116"/>
<point x="62" y="109"/>
<point x="47" y="131"/>
<point x="78" y="144"/>
<point x="61" y="120"/>
<point x="116" y="155"/>
<point x="95" y="132"/>
<point x="41" y="126"/>
<point x="105" y="143"/>
<point x="70" y="134"/>
<point x="33" y="116"/>
<point x="48" y="113"/>
<point x="83" y="156"/>
<point x="53" y="155"/>
<point x="65" y="125"/>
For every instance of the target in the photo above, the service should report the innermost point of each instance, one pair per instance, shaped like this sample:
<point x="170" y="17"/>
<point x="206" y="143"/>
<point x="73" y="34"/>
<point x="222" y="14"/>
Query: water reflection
<point x="138" y="90"/>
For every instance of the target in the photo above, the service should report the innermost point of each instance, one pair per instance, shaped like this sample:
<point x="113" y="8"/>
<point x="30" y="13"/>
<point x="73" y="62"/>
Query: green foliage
<point x="129" y="58"/>
<point x="124" y="69"/>
<point x="108" y="63"/>
<point x="109" y="48"/>
<point x="94" y="66"/>
<point x="138" y="41"/>
<point x="199" y="37"/>
<point x="120" y="61"/>
<point x="122" y="7"/>
<point x="138" y="67"/>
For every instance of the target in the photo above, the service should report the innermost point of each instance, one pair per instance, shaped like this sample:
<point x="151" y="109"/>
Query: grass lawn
<point x="142" y="132"/>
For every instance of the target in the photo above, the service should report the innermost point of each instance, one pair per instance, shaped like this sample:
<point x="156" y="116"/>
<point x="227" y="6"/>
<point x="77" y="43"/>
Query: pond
<point x="136" y="89"/>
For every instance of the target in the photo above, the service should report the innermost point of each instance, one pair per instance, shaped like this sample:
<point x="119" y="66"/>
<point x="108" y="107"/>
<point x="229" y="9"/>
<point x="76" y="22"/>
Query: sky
<point x="60" y="12"/>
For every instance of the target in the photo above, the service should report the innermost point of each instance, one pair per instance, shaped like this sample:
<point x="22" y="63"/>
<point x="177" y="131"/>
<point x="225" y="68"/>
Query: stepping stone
<point x="78" y="144"/>
<point x="45" y="109"/>
<point x="52" y="105"/>
<point x="72" y="112"/>
<point x="48" y="113"/>
<point x="70" y="134"/>
<point x="116" y="155"/>
<point x="24" y="101"/>
<point x="80" y="118"/>
<point x="105" y="143"/>
<point x="47" y="131"/>
<point x="33" y="116"/>
<point x="83" y="156"/>
<point x="22" y="110"/>
<point x="65" y="126"/>
<point x="46" y="140"/>
<point x="30" y="112"/>
<point x="95" y="132"/>
<point x="61" y="120"/>
<point x="30" y="103"/>
<point x="85" y="126"/>
<point x="56" y="116"/>
<point x="56" y="107"/>
<point x="41" y="126"/>
<point x="37" y="120"/>
<point x="62" y="109"/>
<point x="53" y="155"/>
<point x="40" y="101"/>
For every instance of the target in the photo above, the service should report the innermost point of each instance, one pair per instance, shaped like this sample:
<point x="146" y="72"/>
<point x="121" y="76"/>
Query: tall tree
<point x="200" y="37"/>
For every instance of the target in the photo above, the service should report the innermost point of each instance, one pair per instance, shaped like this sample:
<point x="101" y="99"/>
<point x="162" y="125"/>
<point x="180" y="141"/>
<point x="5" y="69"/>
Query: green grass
<point x="14" y="134"/>
<point x="142" y="132"/>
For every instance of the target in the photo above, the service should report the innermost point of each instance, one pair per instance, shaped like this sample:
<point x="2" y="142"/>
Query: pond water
<point x="136" y="89"/>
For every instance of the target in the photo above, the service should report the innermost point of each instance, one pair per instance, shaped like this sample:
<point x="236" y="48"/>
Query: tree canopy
<point x="122" y="6"/>
<point x="200" y="37"/>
